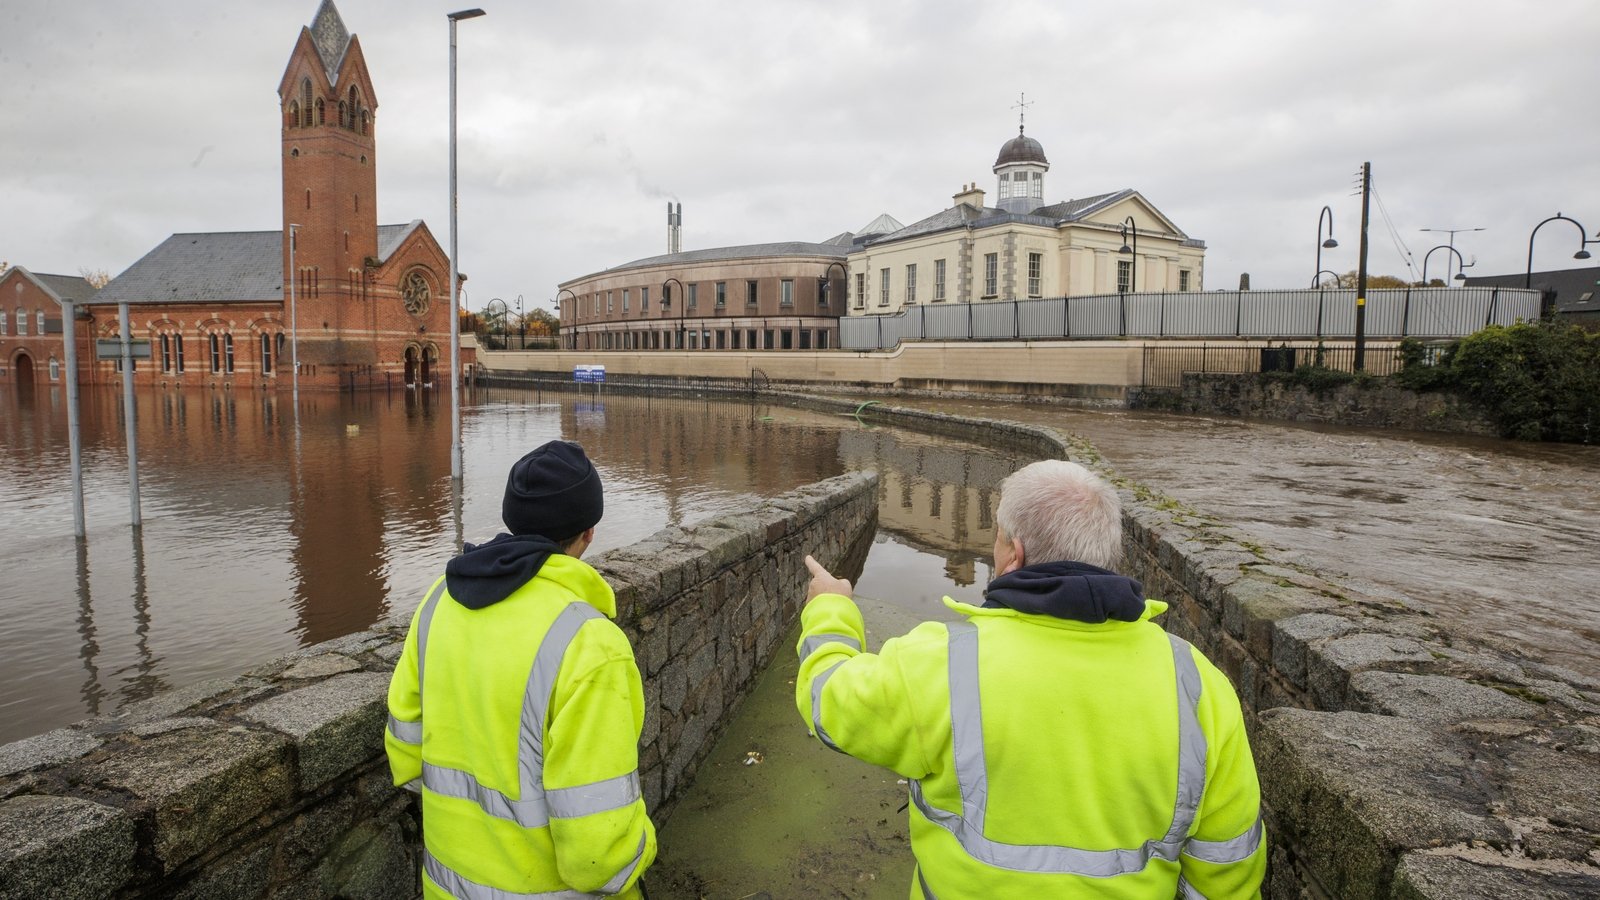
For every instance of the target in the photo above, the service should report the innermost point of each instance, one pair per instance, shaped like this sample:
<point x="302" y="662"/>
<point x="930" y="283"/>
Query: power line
<point x="1394" y="235"/>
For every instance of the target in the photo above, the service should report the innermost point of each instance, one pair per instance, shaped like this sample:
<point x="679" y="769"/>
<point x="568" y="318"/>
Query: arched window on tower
<point x="366" y="120"/>
<point x="321" y="113"/>
<point x="343" y="115"/>
<point x="355" y="106"/>
<point x="305" y="100"/>
<point x="291" y="119"/>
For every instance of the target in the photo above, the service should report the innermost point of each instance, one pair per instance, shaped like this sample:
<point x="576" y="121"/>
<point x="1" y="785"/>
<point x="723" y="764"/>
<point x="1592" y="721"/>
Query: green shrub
<point x="1537" y="382"/>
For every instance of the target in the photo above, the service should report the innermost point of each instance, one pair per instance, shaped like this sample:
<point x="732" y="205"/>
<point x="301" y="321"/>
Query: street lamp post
<point x="1462" y="264"/>
<point x="1452" y="245"/>
<point x="455" y="272"/>
<point x="1130" y="232"/>
<point x="1583" y="253"/>
<point x="294" y="330"/>
<point x="1317" y="281"/>
<point x="573" y="343"/>
<point x="522" y="326"/>
<point x="505" y="310"/>
<point x="666" y="306"/>
<point x="1329" y="244"/>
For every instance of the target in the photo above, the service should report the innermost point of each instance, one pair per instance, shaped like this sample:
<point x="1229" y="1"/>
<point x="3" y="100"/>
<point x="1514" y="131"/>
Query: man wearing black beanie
<point x="527" y="755"/>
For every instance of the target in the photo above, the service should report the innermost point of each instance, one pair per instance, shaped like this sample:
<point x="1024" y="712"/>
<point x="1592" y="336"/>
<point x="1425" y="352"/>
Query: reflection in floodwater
<point x="258" y="539"/>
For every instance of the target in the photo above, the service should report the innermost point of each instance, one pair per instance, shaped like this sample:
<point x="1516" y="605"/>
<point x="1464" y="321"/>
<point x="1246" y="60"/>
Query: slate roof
<point x="1570" y="286"/>
<point x="1021" y="149"/>
<point x="1056" y="214"/>
<point x="721" y="254"/>
<point x="330" y="37"/>
<point x="67" y="287"/>
<point x="217" y="267"/>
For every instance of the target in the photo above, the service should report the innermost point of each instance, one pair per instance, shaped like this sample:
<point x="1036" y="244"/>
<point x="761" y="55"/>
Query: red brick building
<point x="31" y="345"/>
<point x="360" y="304"/>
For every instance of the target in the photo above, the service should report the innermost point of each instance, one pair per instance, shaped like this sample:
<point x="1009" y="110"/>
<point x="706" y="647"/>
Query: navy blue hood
<point x="1067" y="590"/>
<point x="485" y="574"/>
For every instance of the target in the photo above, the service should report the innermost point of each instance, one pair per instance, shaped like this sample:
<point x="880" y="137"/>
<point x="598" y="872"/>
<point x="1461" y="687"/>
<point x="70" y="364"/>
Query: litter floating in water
<point x="753" y="757"/>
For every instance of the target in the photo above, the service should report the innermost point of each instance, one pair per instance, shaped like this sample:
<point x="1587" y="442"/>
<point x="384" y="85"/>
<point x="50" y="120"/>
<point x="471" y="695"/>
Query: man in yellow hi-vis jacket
<point x="1058" y="742"/>
<point x="516" y="706"/>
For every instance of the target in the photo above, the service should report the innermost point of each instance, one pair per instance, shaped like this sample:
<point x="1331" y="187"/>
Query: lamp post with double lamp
<point x="666" y="307"/>
<point x="455" y="271"/>
<point x="1461" y="263"/>
<point x="1583" y="252"/>
<point x="1325" y="216"/>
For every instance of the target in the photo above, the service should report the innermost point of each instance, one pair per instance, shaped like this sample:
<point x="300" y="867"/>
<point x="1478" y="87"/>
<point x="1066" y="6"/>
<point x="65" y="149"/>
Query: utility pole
<point x="1361" y="270"/>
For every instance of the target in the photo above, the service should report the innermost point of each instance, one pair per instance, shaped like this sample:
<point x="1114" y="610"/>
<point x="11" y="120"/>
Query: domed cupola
<point x="1020" y="168"/>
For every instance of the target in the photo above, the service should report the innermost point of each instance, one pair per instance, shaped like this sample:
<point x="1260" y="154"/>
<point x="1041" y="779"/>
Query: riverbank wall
<point x="275" y="785"/>
<point x="1376" y="403"/>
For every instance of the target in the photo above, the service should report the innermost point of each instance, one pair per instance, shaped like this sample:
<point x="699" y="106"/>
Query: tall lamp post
<point x="1583" y="253"/>
<point x="505" y="310"/>
<point x="1130" y="233"/>
<point x="1461" y="263"/>
<point x="666" y="306"/>
<point x="1325" y="216"/>
<point x="455" y="272"/>
<point x="574" y="330"/>
<point x="294" y="331"/>
<point x="522" y="326"/>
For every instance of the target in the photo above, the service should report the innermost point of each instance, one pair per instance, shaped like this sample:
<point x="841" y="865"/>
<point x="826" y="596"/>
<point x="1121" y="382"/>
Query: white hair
<point x="1061" y="512"/>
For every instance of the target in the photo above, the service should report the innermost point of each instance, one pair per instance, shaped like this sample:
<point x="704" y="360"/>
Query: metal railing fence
<point x="1165" y="366"/>
<point x="1289" y="314"/>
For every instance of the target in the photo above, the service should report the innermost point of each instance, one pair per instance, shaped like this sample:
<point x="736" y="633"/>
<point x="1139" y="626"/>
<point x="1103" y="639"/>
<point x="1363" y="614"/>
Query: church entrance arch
<point x="430" y="359"/>
<point x="22" y="364"/>
<point x="412" y="355"/>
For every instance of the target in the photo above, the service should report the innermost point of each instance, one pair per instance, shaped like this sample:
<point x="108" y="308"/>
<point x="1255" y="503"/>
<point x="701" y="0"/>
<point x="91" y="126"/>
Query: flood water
<point x="256" y="541"/>
<point x="1502" y="537"/>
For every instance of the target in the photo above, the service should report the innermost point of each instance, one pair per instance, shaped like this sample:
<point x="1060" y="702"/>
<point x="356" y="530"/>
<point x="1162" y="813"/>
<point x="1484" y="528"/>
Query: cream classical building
<point x="1023" y="248"/>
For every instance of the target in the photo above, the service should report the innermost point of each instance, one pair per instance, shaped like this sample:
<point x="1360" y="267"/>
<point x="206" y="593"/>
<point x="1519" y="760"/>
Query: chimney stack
<point x="971" y="194"/>
<point x="674" y="228"/>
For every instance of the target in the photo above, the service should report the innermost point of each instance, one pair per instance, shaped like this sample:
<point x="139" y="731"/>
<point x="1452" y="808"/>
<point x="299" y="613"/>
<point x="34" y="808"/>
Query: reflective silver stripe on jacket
<point x="966" y="720"/>
<point x="816" y="705"/>
<point x="536" y="805"/>
<point x="461" y="886"/>
<point x="621" y="878"/>
<point x="1233" y="850"/>
<point x="406" y="732"/>
<point x="811" y="644"/>
<point x="411" y="732"/>
<point x="1187" y="891"/>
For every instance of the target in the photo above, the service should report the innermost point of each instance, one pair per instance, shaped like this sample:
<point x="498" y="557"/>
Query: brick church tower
<point x="330" y="191"/>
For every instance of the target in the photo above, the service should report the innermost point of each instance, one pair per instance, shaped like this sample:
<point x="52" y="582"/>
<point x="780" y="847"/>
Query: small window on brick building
<point x="291" y="119"/>
<point x="322" y="114"/>
<point x="358" y="203"/>
<point x="347" y="242"/>
<point x="22" y="321"/>
<point x="216" y="354"/>
<point x="305" y="101"/>
<point x="227" y="349"/>
<point x="308" y="198"/>
<point x="342" y="114"/>
<point x="365" y="120"/>
<point x="177" y="344"/>
<point x="2" y="323"/>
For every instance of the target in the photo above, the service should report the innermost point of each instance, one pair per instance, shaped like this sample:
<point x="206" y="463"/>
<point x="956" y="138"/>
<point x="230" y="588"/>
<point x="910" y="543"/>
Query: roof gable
<point x="56" y="287"/>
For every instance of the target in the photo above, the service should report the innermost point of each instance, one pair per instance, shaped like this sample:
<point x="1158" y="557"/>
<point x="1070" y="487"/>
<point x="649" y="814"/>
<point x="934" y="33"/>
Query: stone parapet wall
<point x="274" y="784"/>
<point x="1376" y="403"/>
<point x="1399" y="755"/>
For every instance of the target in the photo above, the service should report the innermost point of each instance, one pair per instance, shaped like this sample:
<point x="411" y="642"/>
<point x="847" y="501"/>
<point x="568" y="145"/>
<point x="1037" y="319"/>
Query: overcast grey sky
<point x="797" y="120"/>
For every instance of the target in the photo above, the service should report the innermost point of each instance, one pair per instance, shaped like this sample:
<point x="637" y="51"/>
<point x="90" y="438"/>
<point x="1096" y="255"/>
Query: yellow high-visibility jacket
<point x="519" y="723"/>
<point x="1047" y="757"/>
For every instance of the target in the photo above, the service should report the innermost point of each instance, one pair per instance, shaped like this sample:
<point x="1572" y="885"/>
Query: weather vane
<point x="1022" y="115"/>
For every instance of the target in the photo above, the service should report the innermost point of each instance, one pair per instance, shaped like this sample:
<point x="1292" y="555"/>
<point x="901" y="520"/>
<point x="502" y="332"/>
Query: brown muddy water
<point x="1501" y="536"/>
<point x="256" y="542"/>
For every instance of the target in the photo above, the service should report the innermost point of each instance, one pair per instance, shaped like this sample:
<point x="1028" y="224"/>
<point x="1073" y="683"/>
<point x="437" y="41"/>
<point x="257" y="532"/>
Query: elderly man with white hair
<point x="1058" y="742"/>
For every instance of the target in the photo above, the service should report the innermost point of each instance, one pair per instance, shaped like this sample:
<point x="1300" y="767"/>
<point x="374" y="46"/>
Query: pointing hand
<point x="823" y="581"/>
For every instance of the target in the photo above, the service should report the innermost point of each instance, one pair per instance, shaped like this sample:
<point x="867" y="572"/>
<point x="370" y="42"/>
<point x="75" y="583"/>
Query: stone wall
<point x="1373" y="403"/>
<point x="275" y="785"/>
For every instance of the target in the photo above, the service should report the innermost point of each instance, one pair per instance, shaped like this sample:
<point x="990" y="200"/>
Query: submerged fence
<point x="1288" y="314"/>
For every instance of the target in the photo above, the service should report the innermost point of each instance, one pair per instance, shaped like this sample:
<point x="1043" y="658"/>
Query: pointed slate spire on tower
<point x="330" y="37"/>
